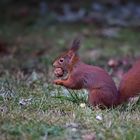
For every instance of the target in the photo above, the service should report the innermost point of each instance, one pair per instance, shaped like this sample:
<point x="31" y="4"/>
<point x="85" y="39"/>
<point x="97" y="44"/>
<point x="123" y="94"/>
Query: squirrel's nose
<point x="54" y="64"/>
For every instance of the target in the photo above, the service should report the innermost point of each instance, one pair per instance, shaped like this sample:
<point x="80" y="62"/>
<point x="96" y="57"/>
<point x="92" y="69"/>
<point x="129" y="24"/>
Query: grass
<point x="46" y="115"/>
<point x="32" y="108"/>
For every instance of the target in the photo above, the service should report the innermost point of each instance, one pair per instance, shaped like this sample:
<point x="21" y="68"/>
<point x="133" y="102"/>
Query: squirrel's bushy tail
<point x="130" y="83"/>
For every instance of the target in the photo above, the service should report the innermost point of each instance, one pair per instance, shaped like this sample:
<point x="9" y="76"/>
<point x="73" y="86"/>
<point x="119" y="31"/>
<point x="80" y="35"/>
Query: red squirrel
<point x="102" y="90"/>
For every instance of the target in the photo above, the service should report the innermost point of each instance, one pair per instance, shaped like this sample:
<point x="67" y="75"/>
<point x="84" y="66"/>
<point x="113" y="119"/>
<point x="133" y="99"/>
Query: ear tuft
<point x="75" y="45"/>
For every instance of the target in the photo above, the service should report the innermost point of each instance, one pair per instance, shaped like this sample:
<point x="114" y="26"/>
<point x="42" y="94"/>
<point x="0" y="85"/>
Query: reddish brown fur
<point x="130" y="84"/>
<point x="101" y="87"/>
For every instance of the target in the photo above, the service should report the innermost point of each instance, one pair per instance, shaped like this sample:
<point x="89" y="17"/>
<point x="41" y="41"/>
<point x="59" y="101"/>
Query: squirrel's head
<point x="69" y="57"/>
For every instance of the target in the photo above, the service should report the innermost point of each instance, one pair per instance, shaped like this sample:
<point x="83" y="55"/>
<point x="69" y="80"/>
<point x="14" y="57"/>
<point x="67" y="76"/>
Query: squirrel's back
<point x="101" y="87"/>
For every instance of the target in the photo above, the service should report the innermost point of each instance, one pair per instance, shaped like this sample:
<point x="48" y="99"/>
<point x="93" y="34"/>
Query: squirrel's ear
<point x="75" y="45"/>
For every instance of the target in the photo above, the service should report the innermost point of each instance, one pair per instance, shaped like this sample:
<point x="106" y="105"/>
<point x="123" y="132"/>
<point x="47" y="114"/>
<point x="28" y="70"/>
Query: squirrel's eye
<point x="61" y="60"/>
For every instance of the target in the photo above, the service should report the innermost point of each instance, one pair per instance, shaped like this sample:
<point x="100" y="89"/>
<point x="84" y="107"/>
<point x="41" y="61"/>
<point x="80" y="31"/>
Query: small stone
<point x="89" y="136"/>
<point x="99" y="117"/>
<point x="82" y="105"/>
<point x="24" y="102"/>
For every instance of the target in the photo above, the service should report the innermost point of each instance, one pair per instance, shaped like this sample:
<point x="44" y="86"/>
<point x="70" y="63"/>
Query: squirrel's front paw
<point x="57" y="82"/>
